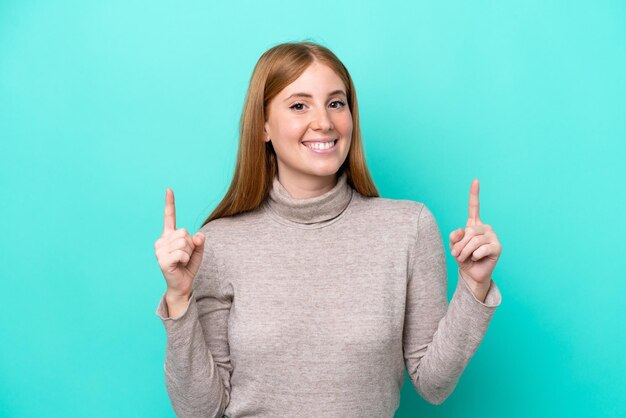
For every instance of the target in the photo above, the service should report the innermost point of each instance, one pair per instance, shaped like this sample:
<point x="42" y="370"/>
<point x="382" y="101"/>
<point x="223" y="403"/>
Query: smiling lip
<point x="322" y="151"/>
<point x="321" y="140"/>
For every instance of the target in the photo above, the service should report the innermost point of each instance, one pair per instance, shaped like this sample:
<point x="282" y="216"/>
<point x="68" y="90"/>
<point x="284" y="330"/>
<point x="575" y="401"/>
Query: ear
<point x="265" y="132"/>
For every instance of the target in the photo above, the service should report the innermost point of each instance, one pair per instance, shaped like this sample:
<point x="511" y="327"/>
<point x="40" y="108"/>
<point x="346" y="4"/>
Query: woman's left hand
<point x="477" y="248"/>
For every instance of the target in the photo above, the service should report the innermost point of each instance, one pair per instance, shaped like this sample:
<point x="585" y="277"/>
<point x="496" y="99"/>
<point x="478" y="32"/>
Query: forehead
<point x="317" y="79"/>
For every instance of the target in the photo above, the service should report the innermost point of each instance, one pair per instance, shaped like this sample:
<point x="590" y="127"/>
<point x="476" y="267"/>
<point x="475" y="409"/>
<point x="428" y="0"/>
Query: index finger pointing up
<point x="474" y="217"/>
<point x="169" y="218"/>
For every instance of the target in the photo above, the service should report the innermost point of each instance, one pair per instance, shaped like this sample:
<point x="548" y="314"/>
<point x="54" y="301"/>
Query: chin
<point x="324" y="172"/>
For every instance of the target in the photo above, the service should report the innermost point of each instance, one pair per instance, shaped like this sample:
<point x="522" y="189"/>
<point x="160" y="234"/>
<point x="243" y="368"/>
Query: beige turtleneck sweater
<point x="313" y="307"/>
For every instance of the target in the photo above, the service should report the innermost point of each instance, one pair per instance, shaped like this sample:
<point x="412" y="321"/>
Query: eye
<point x="293" y="106"/>
<point x="341" y="103"/>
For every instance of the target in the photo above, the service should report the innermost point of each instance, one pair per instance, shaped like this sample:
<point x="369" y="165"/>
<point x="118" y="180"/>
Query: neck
<point x="306" y="186"/>
<point x="313" y="212"/>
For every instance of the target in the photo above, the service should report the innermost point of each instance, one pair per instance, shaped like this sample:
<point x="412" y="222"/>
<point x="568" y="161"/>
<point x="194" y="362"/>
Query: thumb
<point x="198" y="239"/>
<point x="456" y="235"/>
<point x="196" y="257"/>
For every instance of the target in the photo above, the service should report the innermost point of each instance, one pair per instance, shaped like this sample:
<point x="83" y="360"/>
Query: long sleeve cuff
<point x="493" y="298"/>
<point x="182" y="321"/>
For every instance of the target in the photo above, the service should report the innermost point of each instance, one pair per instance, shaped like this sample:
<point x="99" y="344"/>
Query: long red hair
<point x="256" y="164"/>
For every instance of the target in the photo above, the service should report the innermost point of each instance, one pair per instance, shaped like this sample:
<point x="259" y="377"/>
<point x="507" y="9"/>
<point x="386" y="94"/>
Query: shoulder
<point x="244" y="223"/>
<point x="386" y="208"/>
<point x="411" y="215"/>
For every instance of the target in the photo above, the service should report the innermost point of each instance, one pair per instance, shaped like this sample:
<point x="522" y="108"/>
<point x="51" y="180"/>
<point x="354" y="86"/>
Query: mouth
<point x="321" y="146"/>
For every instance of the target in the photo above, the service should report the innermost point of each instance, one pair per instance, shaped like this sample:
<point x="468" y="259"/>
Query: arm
<point x="438" y="339"/>
<point x="197" y="366"/>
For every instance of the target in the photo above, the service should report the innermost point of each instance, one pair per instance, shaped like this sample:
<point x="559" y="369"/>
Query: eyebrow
<point x="332" y="93"/>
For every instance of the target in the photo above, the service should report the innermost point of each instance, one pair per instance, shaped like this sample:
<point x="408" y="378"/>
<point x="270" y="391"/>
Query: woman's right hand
<point x="179" y="255"/>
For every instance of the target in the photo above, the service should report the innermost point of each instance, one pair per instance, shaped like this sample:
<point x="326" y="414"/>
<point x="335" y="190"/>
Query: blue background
<point x="105" y="104"/>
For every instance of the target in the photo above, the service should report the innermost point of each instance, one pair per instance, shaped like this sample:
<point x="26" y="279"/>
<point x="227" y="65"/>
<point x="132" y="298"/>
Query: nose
<point x="322" y="121"/>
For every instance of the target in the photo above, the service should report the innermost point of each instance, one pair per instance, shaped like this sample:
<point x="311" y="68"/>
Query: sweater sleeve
<point x="197" y="365"/>
<point x="440" y="339"/>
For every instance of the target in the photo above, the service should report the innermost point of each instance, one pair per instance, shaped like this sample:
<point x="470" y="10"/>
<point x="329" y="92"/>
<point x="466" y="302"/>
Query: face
<point x="304" y="118"/>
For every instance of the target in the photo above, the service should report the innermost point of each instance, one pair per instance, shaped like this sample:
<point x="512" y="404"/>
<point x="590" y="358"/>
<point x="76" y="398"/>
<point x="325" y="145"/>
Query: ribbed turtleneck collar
<point x="312" y="210"/>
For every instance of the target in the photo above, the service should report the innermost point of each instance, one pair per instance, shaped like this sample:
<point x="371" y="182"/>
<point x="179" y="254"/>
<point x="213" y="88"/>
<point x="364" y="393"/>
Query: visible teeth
<point x="320" y="145"/>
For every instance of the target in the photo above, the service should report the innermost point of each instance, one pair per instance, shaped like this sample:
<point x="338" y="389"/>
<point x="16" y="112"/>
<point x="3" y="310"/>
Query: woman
<point x="310" y="293"/>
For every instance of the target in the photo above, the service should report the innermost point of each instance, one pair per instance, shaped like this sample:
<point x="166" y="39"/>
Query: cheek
<point x="344" y="124"/>
<point x="290" y="130"/>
